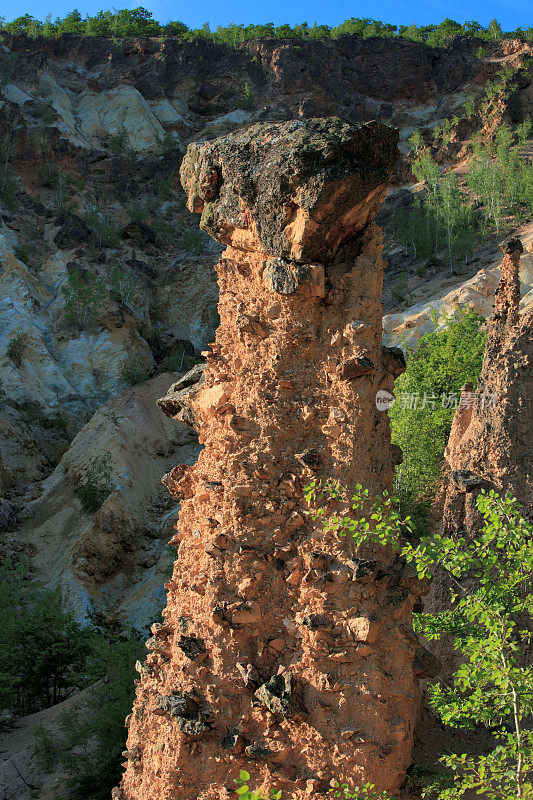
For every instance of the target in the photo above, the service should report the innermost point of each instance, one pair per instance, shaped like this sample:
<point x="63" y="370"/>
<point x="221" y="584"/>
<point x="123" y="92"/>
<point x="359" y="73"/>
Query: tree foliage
<point x="84" y="295"/>
<point x="140" y="22"/>
<point x="91" y="735"/>
<point x="448" y="220"/>
<point x="43" y="647"/>
<point x="445" y="358"/>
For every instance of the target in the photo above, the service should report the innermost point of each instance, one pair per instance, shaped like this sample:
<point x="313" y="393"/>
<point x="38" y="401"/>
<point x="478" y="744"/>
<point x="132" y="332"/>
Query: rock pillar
<point x="491" y="440"/>
<point x="283" y="650"/>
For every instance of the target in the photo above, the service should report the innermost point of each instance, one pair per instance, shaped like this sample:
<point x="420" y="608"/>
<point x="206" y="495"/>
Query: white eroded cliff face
<point x="111" y="557"/>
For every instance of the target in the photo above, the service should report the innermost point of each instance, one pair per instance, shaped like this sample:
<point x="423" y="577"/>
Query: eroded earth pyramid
<point x="283" y="650"/>
<point x="491" y="441"/>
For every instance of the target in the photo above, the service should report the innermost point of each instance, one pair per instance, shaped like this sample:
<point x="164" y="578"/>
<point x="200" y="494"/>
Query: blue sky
<point x="510" y="13"/>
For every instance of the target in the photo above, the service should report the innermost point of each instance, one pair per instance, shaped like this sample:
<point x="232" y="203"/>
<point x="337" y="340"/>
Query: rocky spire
<point x="283" y="650"/>
<point x="491" y="440"/>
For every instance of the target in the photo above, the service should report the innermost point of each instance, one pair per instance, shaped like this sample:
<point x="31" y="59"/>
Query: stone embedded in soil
<point x="303" y="633"/>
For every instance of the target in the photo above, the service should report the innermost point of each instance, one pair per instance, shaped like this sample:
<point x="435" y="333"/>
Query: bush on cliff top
<point x="139" y="22"/>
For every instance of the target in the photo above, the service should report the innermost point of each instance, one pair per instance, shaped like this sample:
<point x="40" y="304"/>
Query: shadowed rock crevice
<point x="293" y="645"/>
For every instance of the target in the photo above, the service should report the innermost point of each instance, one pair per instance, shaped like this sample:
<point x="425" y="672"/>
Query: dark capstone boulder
<point x="328" y="176"/>
<point x="467" y="481"/>
<point x="139" y="232"/>
<point x="356" y="368"/>
<point x="393" y="360"/>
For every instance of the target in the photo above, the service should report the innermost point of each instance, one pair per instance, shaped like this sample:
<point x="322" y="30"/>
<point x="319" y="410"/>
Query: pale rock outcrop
<point x="111" y="560"/>
<point x="283" y="650"/>
<point x="477" y="293"/>
<point x="90" y="117"/>
<point x="57" y="362"/>
<point x="122" y="110"/>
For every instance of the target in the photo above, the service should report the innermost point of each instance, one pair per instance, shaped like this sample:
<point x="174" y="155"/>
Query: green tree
<point x="425" y="169"/>
<point x="456" y="218"/>
<point x="16" y="346"/>
<point x="416" y="142"/>
<point x="91" y="737"/>
<point x="105" y="233"/>
<point x="43" y="647"/>
<point x="494" y="30"/>
<point x="125" y="286"/>
<point x="95" y="487"/>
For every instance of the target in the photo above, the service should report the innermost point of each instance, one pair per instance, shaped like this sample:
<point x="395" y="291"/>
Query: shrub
<point x="366" y="792"/>
<point x="46" y="113"/>
<point x="84" y="296"/>
<point x="95" y="487"/>
<point x="16" y="346"/>
<point x="523" y="131"/>
<point x="90" y="738"/>
<point x="134" y="374"/>
<point x="50" y="176"/>
<point x="8" y="182"/>
<point x="124" y="286"/>
<point x="32" y="247"/>
<point x="425" y="169"/>
<point x="180" y="361"/>
<point x="168" y="143"/>
<point x="500" y="178"/>
<point x="118" y="141"/>
<point x="443" y="220"/>
<point x="400" y="291"/>
<point x="195" y="240"/>
<point x="105" y="233"/>
<point x="164" y="185"/>
<point x="469" y="106"/>
<point x="165" y="231"/>
<point x="8" y="67"/>
<point x="244" y="791"/>
<point x="247" y="96"/>
<point x="416" y="141"/>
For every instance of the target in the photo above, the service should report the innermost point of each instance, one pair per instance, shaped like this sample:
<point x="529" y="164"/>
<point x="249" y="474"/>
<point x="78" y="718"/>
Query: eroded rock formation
<point x="283" y="650"/>
<point x="491" y="441"/>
